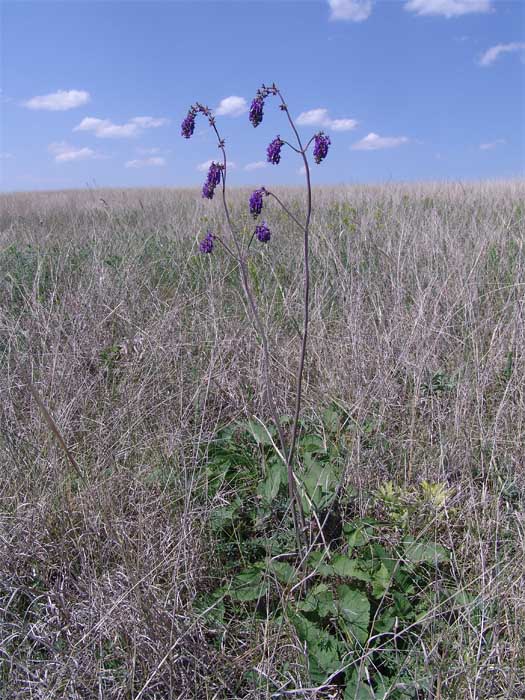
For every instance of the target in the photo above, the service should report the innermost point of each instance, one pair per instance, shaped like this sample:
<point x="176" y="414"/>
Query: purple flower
<point x="321" y="146"/>
<point x="188" y="125"/>
<point x="206" y="245"/>
<point x="263" y="232"/>
<point x="256" y="110"/>
<point x="273" y="152"/>
<point x="256" y="202"/>
<point x="212" y="180"/>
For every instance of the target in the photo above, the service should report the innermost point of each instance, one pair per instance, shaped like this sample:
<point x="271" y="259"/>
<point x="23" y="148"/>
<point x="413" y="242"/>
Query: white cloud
<point x="59" y="101"/>
<point x="146" y="162"/>
<point x="232" y="106"/>
<point x="314" y="117"/>
<point x="374" y="142"/>
<point x="148" y="151"/>
<point x="149" y="122"/>
<point x="448" y="8"/>
<point x="105" y="129"/>
<point x="65" y="153"/>
<point x="5" y="156"/>
<point x="350" y="10"/>
<point x="342" y="124"/>
<point x="257" y="165"/>
<point x="492" y="54"/>
<point x="302" y="170"/>
<point x="491" y="144"/>
<point x="204" y="167"/>
<point x="320" y="117"/>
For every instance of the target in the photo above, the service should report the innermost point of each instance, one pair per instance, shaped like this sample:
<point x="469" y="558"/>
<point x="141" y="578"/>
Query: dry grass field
<point x="142" y="351"/>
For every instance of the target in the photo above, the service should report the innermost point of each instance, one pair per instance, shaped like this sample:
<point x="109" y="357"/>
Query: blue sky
<point x="93" y="93"/>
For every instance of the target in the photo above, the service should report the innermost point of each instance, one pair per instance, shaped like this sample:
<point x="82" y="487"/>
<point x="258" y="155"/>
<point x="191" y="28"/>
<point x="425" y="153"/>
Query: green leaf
<point x="354" y="607"/>
<point x="319" y="481"/>
<point x="324" y="654"/>
<point x="326" y="606"/>
<point x="357" y="534"/>
<point x="312" y="443"/>
<point x="424" y="552"/>
<point x="381" y="581"/>
<point x="248" y="585"/>
<point x="386" y="621"/>
<point x="349" y="568"/>
<point x="258" y="432"/>
<point x="283" y="571"/>
<point x="402" y="606"/>
<point x="321" y="600"/>
<point x="324" y="651"/>
<point x="358" y="690"/>
<point x="331" y="420"/>
<point x="315" y="562"/>
<point x="269" y="488"/>
<point x="222" y="517"/>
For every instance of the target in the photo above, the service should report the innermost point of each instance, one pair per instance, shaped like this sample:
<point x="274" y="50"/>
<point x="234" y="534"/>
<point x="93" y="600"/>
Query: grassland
<point x="141" y="350"/>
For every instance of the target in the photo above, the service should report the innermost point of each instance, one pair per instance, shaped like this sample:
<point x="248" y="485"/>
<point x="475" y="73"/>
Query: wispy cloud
<point x="6" y="156"/>
<point x="342" y="124"/>
<point x="65" y="153"/>
<point x="105" y="129"/>
<point x="494" y="52"/>
<point x="374" y="142"/>
<point x="350" y="10"/>
<point x="321" y="117"/>
<point x="232" y="106"/>
<point x="59" y="101"/>
<point x="257" y="165"/>
<point x="148" y="151"/>
<point x="4" y="99"/>
<point x="448" y="8"/>
<point x="491" y="144"/>
<point x="154" y="161"/>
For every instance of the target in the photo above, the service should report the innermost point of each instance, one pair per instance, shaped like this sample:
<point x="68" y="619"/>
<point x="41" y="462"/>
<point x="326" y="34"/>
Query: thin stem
<point x="301" y="226"/>
<point x="292" y="147"/>
<point x="295" y="503"/>
<point x="306" y="298"/>
<point x="230" y="251"/>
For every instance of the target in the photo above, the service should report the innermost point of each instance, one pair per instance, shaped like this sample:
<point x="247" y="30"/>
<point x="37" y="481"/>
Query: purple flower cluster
<point x="212" y="180"/>
<point x="273" y="152"/>
<point x="322" y="141"/>
<point x="206" y="245"/>
<point x="263" y="232"/>
<point x="188" y="125"/>
<point x="256" y="110"/>
<point x="256" y="202"/>
<point x="257" y="106"/>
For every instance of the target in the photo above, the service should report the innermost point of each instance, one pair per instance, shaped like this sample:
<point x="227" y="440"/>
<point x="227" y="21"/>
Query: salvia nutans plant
<point x="239" y="250"/>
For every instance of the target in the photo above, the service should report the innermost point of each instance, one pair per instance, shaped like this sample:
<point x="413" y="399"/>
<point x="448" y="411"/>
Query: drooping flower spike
<point x="273" y="152"/>
<point x="257" y="106"/>
<point x="188" y="125"/>
<point x="256" y="110"/>
<point x="256" y="202"/>
<point x="206" y="245"/>
<point x="263" y="233"/>
<point x="322" y="141"/>
<point x="212" y="180"/>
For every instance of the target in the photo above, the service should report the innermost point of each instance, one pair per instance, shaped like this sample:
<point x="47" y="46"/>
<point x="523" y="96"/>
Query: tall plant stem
<point x="306" y="292"/>
<point x="295" y="502"/>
